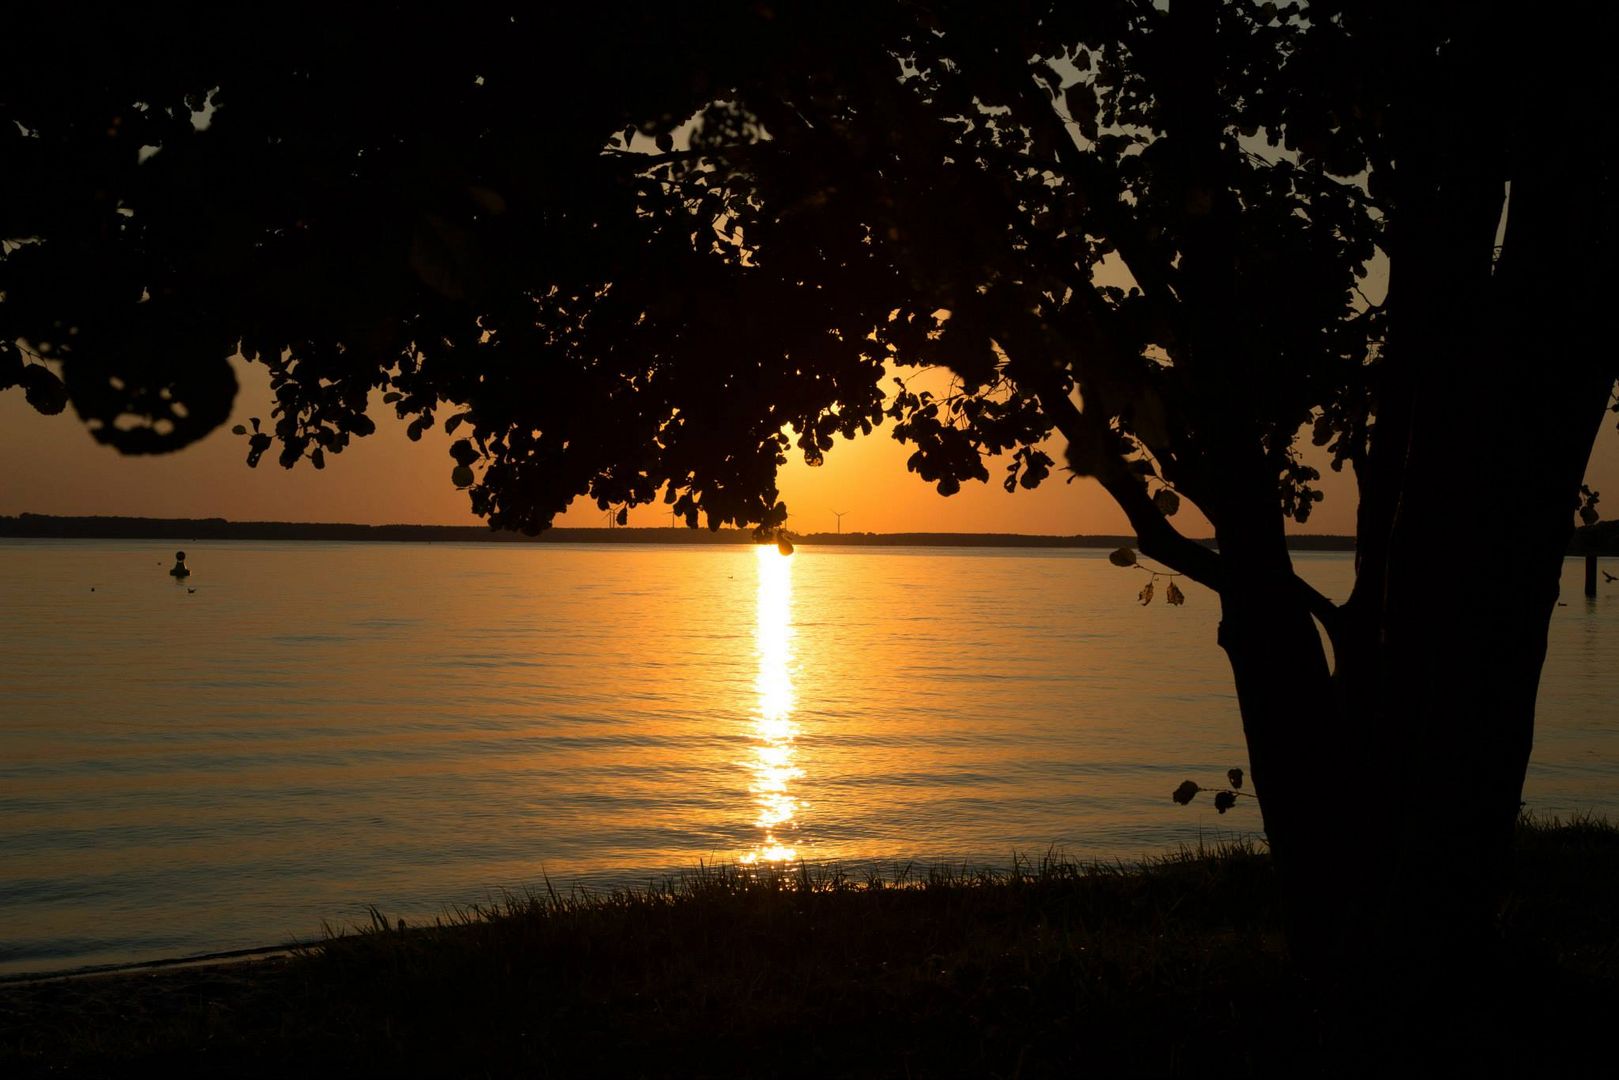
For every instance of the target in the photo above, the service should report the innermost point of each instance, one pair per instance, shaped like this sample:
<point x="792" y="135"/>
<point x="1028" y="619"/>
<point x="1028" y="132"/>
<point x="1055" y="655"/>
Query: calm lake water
<point x="319" y="727"/>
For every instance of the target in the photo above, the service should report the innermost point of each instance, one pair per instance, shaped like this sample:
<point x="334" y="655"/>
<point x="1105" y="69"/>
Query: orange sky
<point x="50" y="465"/>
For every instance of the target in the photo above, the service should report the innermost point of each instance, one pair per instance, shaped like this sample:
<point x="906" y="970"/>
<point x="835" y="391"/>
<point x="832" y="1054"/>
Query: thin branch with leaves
<point x="1126" y="557"/>
<point x="1224" y="798"/>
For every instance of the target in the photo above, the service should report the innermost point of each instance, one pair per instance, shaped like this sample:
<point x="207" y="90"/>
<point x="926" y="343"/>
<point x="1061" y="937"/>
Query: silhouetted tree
<point x="622" y="249"/>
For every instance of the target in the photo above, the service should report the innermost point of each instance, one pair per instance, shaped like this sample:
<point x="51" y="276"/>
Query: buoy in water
<point x="178" y="571"/>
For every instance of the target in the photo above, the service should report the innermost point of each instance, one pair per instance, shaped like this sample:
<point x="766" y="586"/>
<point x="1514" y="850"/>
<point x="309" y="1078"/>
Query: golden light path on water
<point x="773" y="729"/>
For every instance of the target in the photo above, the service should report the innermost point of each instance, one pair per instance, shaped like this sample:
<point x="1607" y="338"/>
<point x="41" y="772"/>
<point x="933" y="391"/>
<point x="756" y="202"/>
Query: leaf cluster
<point x="1224" y="798"/>
<point x="1126" y="557"/>
<point x="641" y="259"/>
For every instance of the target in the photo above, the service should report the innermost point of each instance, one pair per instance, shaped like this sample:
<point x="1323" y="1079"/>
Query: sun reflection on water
<point x="773" y="728"/>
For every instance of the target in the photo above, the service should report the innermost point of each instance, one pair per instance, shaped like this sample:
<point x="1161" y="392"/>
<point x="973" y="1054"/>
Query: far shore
<point x="1601" y="538"/>
<point x="46" y="526"/>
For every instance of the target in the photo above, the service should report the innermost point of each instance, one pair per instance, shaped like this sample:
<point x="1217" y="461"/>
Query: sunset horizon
<point x="49" y="465"/>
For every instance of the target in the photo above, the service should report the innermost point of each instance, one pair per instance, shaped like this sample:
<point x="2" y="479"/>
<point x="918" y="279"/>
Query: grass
<point x="1174" y="967"/>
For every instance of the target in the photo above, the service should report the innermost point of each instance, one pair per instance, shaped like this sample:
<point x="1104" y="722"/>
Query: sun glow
<point x="774" y="732"/>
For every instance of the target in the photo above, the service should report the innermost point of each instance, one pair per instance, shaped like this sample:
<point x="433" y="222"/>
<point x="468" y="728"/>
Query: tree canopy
<point x="623" y="251"/>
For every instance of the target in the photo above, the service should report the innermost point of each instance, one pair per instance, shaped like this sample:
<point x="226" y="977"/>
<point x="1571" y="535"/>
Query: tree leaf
<point x="1224" y="800"/>
<point x="1235" y="776"/>
<point x="1174" y="595"/>
<point x="1166" y="501"/>
<point x="1145" y="595"/>
<point x="1184" y="793"/>
<point x="256" y="446"/>
<point x="1122" y="557"/>
<point x="1081" y="102"/>
<point x="43" y="389"/>
<point x="461" y="476"/>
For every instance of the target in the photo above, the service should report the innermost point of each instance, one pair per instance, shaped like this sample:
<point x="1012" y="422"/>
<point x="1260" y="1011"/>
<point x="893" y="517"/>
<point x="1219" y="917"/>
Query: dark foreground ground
<point x="1177" y="968"/>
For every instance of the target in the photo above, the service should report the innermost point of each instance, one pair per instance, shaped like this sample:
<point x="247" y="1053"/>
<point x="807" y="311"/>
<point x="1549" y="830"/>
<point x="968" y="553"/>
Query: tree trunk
<point x="1390" y="801"/>
<point x="1390" y="795"/>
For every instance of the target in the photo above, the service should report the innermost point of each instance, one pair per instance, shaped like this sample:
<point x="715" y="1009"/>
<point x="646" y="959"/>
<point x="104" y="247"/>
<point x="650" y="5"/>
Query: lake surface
<point x="319" y="727"/>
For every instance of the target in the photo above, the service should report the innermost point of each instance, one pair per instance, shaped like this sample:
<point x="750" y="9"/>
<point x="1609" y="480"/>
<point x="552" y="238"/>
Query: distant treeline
<point x="45" y="526"/>
<point x="1602" y="537"/>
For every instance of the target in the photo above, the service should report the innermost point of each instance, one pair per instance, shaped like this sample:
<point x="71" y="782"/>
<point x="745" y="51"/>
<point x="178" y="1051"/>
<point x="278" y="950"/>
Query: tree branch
<point x="1330" y="615"/>
<point x="1157" y="538"/>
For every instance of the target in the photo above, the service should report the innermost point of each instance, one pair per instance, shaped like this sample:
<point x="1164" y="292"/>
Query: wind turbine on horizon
<point x="839" y="515"/>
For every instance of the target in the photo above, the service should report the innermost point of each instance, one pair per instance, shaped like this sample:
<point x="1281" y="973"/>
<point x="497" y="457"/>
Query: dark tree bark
<point x="1390" y="799"/>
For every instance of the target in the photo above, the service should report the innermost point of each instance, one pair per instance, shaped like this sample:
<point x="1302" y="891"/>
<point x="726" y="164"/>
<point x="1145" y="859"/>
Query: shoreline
<point x="224" y="957"/>
<point x="1054" y="966"/>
